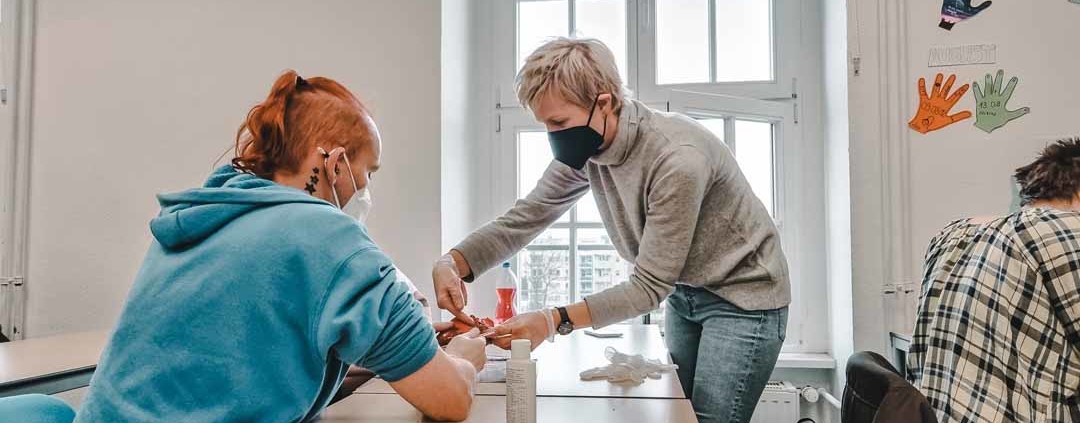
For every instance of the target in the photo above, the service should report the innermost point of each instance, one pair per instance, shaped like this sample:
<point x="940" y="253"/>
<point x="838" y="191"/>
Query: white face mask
<point x="359" y="206"/>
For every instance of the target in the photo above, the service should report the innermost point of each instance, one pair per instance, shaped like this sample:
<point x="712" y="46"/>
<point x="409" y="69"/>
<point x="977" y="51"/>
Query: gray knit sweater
<point x="674" y="203"/>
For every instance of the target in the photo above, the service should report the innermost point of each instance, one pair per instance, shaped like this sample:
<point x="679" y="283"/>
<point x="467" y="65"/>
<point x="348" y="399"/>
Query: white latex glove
<point x="450" y="292"/>
<point x="536" y="326"/>
<point x="470" y="347"/>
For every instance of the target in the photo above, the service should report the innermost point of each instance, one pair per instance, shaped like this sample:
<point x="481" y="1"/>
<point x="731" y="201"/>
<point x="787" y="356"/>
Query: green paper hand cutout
<point x="990" y="111"/>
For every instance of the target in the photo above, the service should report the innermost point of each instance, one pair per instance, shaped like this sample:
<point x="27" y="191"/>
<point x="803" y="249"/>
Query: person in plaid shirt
<point x="998" y="332"/>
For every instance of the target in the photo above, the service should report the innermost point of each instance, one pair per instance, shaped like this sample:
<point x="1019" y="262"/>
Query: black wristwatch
<point x="565" y="325"/>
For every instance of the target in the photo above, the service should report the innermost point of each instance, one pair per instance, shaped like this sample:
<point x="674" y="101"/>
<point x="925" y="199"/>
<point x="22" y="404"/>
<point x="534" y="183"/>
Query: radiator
<point x="778" y="404"/>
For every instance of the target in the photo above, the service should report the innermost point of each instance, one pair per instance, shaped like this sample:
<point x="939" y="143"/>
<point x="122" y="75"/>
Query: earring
<point x="314" y="180"/>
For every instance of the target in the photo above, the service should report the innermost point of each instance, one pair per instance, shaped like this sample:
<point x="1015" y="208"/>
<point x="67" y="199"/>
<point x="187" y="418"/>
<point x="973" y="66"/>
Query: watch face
<point x="565" y="328"/>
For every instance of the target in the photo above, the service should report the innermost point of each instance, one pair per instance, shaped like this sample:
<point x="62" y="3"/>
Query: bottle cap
<point x="506" y="265"/>
<point x="520" y="349"/>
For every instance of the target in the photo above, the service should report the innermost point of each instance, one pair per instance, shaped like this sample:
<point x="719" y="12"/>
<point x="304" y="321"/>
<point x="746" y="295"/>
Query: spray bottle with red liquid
<point x="506" y="289"/>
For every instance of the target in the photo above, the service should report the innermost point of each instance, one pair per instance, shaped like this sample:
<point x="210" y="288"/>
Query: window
<point x="576" y="241"/>
<point x="541" y="20"/>
<point x="752" y="142"/>
<point x="733" y="65"/>
<point x="702" y="41"/>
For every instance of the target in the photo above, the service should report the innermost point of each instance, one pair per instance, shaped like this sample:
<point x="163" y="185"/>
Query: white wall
<point x="1036" y="42"/>
<point x="811" y="184"/>
<point x="468" y="127"/>
<point x="905" y="186"/>
<point x="838" y="186"/>
<point x="457" y="129"/>
<point x="136" y="98"/>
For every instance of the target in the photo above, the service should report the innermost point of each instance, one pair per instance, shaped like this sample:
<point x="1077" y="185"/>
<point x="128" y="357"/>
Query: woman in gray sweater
<point x="674" y="203"/>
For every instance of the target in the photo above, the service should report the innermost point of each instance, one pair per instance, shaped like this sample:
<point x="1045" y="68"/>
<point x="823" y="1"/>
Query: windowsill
<point x="789" y="360"/>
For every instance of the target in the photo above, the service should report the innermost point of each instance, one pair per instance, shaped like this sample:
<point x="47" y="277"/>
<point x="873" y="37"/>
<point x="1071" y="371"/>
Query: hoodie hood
<point x="189" y="217"/>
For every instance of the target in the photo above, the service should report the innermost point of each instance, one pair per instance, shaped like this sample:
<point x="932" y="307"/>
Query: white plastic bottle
<point x="520" y="383"/>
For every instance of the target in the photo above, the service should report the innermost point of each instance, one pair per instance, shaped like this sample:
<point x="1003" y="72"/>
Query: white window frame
<point x="641" y="54"/>
<point x="776" y="101"/>
<point x="786" y="26"/>
<point x="505" y="53"/>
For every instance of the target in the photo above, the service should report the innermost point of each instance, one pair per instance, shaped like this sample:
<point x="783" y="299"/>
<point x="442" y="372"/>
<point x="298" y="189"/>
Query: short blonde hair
<point x="576" y="69"/>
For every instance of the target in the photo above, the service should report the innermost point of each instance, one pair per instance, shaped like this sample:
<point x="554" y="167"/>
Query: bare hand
<point x="470" y="347"/>
<point x="441" y="326"/>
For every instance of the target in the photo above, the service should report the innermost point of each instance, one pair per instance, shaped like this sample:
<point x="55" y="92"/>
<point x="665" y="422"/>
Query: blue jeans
<point x="35" y="408"/>
<point x="725" y="354"/>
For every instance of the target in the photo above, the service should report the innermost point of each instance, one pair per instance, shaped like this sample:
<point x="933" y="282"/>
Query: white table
<point x="393" y="409"/>
<point x="61" y="363"/>
<point x="558" y="365"/>
<point x="49" y="365"/>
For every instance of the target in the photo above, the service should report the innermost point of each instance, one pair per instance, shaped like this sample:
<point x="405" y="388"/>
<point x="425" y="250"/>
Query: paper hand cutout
<point x="933" y="113"/>
<point x="990" y="111"/>
<point x="954" y="11"/>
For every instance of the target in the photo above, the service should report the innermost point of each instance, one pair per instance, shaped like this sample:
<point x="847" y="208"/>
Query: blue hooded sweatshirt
<point x="249" y="307"/>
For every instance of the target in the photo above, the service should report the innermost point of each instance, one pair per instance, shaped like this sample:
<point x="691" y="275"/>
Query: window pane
<point x="593" y="236"/>
<point x="743" y="40"/>
<point x="554" y="236"/>
<point x="537" y="22"/>
<point x="534" y="156"/>
<point x="586" y="209"/>
<point x="545" y="279"/>
<point x="604" y="20"/>
<point x="754" y="152"/>
<point x="682" y="41"/>
<point x="600" y="270"/>
<point x="714" y="125"/>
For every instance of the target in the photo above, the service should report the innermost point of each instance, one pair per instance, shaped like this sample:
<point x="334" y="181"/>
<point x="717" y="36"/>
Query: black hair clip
<point x="300" y="81"/>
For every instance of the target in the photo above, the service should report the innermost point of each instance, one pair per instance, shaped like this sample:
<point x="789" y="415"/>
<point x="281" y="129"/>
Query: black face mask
<point x="573" y="146"/>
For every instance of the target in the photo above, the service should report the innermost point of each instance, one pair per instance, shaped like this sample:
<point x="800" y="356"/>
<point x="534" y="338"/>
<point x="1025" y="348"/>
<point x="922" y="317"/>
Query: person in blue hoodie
<point x="262" y="287"/>
<point x="35" y="408"/>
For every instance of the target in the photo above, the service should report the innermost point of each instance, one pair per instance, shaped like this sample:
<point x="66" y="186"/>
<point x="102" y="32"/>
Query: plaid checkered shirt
<point x="998" y="332"/>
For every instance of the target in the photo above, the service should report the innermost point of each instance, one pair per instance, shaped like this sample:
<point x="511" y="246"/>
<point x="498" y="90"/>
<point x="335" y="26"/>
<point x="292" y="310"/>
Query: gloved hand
<point x="450" y="292"/>
<point x="933" y="113"/>
<point x="536" y="326"/>
<point x="990" y="111"/>
<point x="469" y="346"/>
<point x="627" y="368"/>
<point x="954" y="11"/>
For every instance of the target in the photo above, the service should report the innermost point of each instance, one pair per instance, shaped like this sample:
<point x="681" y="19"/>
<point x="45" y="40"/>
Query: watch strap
<point x="564" y="317"/>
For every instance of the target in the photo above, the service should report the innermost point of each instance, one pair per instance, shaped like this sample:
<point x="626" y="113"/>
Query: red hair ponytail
<point x="296" y="116"/>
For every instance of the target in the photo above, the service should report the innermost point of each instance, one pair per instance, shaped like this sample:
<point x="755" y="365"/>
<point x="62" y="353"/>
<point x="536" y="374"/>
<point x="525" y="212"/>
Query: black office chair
<point x="877" y="393"/>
